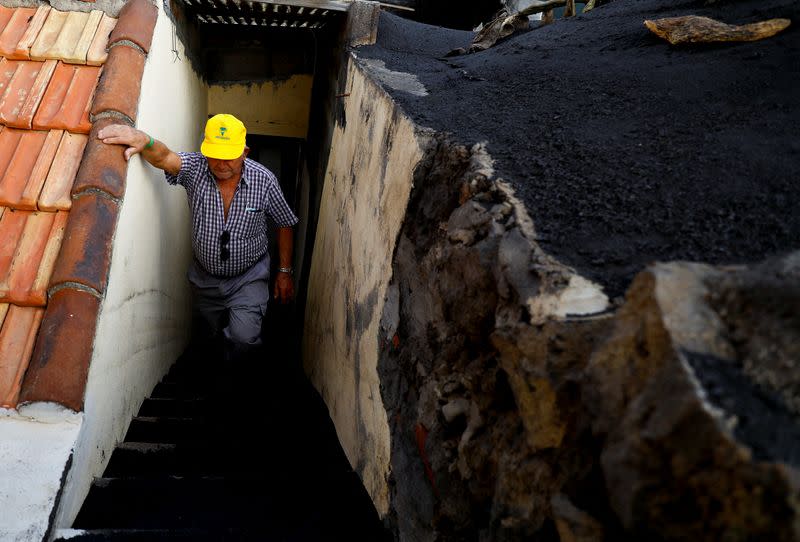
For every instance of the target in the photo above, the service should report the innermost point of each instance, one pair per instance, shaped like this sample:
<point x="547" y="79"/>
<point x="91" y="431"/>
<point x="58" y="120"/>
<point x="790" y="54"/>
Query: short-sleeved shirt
<point x="257" y="197"/>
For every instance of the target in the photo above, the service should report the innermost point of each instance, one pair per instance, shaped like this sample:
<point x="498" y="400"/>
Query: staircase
<point x="249" y="454"/>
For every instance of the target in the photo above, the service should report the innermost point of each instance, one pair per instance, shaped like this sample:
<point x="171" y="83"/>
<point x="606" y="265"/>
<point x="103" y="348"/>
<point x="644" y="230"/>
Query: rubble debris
<point x="507" y="23"/>
<point x="696" y="29"/>
<point x="501" y="27"/>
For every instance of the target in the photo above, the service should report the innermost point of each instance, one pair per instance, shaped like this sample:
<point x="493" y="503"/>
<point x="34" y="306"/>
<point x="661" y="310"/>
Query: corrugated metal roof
<point x="283" y="14"/>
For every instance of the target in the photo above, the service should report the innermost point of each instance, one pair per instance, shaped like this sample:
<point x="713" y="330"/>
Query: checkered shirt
<point x="257" y="197"/>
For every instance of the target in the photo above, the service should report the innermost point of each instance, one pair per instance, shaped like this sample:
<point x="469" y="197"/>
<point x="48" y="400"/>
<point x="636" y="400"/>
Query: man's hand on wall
<point x="121" y="134"/>
<point x="137" y="142"/>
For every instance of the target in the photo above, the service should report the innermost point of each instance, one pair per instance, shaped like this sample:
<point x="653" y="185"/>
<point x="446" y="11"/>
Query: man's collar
<point x="243" y="178"/>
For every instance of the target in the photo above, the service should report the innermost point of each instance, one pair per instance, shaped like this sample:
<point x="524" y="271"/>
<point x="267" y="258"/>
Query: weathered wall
<point x="144" y="320"/>
<point x="368" y="180"/>
<point x="274" y="108"/>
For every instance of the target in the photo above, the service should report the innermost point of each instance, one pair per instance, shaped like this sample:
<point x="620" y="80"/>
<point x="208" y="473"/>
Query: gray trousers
<point x="243" y="297"/>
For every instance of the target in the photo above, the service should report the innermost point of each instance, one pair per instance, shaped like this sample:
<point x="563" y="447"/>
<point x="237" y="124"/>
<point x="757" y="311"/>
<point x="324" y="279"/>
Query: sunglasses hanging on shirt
<point x="224" y="251"/>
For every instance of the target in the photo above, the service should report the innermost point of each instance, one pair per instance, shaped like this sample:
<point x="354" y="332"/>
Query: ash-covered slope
<point x="624" y="149"/>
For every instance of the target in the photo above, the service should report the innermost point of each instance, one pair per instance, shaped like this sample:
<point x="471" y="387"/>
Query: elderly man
<point x="230" y="198"/>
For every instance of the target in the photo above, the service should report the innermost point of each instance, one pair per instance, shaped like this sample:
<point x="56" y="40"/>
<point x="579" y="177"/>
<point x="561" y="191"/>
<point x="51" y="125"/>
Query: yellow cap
<point x="224" y="138"/>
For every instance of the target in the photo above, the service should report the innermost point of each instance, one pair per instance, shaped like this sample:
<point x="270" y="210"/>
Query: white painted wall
<point x="145" y="316"/>
<point x="35" y="446"/>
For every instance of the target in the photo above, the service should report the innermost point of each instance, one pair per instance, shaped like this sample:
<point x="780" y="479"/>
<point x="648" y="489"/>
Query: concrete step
<point x="187" y="372"/>
<point x="176" y="502"/>
<point x="179" y="390"/>
<point x="165" y="429"/>
<point x="209" y="458"/>
<point x="170" y="407"/>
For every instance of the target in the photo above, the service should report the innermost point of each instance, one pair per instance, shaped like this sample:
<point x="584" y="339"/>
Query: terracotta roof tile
<point x="5" y="15"/>
<point x="37" y="169"/>
<point x="60" y="362"/>
<point x="136" y="21"/>
<point x="66" y="36"/>
<point x="23" y="92"/>
<point x="48" y="34"/>
<point x="29" y="255"/>
<point x="86" y="251"/>
<point x="19" y="152"/>
<point x="12" y="223"/>
<point x="120" y="85"/>
<point x="14" y="30"/>
<point x="38" y="292"/>
<point x="17" y="284"/>
<point x="23" y="49"/>
<point x="30" y="196"/>
<point x="67" y="100"/>
<point x="86" y="38"/>
<point x="17" y="338"/>
<point x="104" y="166"/>
<point x="76" y="37"/>
<point x="56" y="192"/>
<point x="97" y="50"/>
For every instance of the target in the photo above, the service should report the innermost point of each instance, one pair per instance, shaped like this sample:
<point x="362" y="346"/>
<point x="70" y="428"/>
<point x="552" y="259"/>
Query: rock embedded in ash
<point x="695" y="447"/>
<point x="694" y="29"/>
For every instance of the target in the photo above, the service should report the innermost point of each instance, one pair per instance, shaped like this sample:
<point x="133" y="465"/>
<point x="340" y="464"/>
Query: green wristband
<point x="152" y="142"/>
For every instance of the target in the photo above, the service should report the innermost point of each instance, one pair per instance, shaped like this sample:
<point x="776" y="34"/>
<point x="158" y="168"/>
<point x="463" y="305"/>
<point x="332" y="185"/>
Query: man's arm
<point x="284" y="285"/>
<point x="157" y="154"/>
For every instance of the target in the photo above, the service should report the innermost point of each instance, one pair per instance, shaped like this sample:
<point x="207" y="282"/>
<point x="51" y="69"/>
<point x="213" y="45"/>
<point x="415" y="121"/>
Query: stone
<point x="695" y="29"/>
<point x="573" y="524"/>
<point x="455" y="408"/>
<point x="696" y="447"/>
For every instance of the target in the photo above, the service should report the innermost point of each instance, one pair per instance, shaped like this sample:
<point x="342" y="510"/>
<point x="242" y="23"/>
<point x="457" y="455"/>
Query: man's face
<point x="227" y="169"/>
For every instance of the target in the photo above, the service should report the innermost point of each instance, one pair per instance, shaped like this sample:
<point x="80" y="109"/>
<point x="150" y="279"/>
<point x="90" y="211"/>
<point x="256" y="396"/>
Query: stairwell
<point x="246" y="454"/>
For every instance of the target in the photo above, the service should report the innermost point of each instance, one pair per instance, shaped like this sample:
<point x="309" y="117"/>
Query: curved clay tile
<point x="97" y="50"/>
<point x="23" y="49"/>
<point x="17" y="281"/>
<point x="17" y="337"/>
<point x="19" y="154"/>
<point x="14" y="30"/>
<point x="66" y="35"/>
<point x="67" y="100"/>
